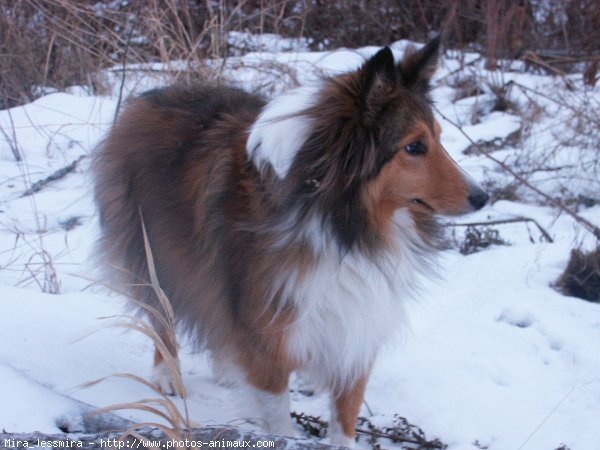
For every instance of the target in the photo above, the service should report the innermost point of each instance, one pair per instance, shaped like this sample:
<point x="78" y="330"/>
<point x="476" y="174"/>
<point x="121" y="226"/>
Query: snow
<point x="494" y="353"/>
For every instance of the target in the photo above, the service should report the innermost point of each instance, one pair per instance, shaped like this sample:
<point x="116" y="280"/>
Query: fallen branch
<point x="534" y="58"/>
<point x="589" y="226"/>
<point x="400" y="432"/>
<point x="502" y="222"/>
<point x="60" y="173"/>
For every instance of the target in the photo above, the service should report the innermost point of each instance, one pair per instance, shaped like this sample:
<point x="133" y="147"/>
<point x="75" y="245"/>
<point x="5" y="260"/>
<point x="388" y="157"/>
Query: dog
<point x="287" y="234"/>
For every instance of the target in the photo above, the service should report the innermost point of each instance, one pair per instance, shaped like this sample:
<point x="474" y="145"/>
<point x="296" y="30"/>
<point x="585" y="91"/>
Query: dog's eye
<point x="416" y="148"/>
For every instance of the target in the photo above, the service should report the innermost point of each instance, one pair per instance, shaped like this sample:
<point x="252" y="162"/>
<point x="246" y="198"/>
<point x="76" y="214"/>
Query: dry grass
<point x="161" y="406"/>
<point x="60" y="43"/>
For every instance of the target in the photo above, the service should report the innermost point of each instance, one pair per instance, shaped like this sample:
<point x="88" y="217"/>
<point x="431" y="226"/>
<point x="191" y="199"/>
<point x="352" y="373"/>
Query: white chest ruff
<point x="347" y="308"/>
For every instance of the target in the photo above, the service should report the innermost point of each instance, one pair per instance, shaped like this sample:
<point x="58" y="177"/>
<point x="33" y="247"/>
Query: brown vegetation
<point x="58" y="43"/>
<point x="581" y="278"/>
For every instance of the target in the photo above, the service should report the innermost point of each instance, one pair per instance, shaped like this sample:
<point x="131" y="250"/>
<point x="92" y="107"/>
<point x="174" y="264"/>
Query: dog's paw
<point x="163" y="379"/>
<point x="336" y="436"/>
<point x="341" y="440"/>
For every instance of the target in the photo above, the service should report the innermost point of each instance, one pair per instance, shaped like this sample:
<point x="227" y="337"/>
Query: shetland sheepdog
<point x="286" y="234"/>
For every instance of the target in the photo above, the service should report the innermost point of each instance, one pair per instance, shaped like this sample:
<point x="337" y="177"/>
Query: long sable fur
<point x="215" y="223"/>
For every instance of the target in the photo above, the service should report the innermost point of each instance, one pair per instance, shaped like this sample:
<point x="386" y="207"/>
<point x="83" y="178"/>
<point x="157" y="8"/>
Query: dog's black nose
<point x="478" y="198"/>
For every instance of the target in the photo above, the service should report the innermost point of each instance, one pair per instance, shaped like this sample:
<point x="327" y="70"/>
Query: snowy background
<point x="495" y="357"/>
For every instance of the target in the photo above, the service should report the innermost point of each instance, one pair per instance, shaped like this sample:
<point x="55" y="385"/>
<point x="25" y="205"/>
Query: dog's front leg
<point x="345" y="408"/>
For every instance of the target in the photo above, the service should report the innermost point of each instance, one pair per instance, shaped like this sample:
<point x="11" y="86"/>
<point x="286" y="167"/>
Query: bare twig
<point x="12" y="140"/>
<point x="501" y="222"/>
<point x="534" y="58"/>
<point x="125" y="53"/>
<point x="589" y="226"/>
<point x="401" y="431"/>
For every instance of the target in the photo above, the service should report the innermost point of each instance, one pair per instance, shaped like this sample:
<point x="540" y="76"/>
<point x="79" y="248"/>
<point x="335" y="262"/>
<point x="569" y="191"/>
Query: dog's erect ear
<point x="378" y="79"/>
<point x="417" y="67"/>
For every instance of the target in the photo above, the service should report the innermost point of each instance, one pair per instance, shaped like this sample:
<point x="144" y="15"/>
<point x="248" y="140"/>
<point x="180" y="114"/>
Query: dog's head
<point x="414" y="170"/>
<point x="365" y="145"/>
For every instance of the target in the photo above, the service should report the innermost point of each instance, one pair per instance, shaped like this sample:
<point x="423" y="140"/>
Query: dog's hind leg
<point x="164" y="365"/>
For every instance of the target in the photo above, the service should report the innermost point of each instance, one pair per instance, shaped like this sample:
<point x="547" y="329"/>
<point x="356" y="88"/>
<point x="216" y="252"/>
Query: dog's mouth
<point x="422" y="204"/>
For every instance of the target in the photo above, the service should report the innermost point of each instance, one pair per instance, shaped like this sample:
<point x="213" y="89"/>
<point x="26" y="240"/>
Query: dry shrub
<point x="581" y="278"/>
<point x="569" y="162"/>
<point x="40" y="48"/>
<point x="61" y="43"/>
<point x="560" y="32"/>
<point x="58" y="43"/>
<point x="479" y="238"/>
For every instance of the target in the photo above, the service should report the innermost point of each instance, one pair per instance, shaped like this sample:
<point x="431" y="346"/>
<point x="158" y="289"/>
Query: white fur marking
<point x="348" y="308"/>
<point x="162" y="377"/>
<point x="226" y="371"/>
<point x="275" y="409"/>
<point x="281" y="130"/>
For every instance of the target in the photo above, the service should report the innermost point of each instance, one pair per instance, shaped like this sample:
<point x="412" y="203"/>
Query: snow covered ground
<point x="495" y="357"/>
